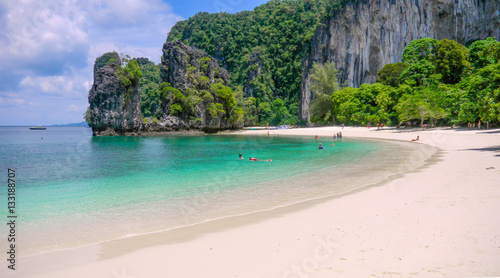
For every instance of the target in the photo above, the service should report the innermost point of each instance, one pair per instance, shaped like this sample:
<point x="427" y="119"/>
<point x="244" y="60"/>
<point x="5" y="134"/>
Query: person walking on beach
<point x="479" y="124"/>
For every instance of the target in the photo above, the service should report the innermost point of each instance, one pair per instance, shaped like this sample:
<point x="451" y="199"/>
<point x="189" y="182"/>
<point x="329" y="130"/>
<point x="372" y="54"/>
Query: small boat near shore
<point x="37" y="128"/>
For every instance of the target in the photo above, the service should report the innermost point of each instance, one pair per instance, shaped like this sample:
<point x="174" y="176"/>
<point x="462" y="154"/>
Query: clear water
<point x="74" y="189"/>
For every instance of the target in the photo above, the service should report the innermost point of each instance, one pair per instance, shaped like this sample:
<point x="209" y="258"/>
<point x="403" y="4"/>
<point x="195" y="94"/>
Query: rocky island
<point x="194" y="95"/>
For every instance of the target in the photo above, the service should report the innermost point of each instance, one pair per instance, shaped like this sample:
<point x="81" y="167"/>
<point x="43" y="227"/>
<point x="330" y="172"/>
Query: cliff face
<point x="176" y="60"/>
<point x="372" y="33"/>
<point x="198" y="77"/>
<point x="194" y="96"/>
<point x="114" y="108"/>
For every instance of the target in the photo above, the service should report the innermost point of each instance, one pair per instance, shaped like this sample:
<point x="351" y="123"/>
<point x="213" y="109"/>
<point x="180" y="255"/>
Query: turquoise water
<point x="74" y="189"/>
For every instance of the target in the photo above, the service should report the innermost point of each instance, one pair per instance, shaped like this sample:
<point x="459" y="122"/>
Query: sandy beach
<point x="440" y="220"/>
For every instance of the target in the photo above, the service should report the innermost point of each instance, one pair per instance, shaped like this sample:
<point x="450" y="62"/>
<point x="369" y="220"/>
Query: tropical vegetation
<point x="437" y="83"/>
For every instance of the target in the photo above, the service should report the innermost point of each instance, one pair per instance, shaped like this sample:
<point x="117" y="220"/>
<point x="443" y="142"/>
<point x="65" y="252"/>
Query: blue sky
<point x="48" y="48"/>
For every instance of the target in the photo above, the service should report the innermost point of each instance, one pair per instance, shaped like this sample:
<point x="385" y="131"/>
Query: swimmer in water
<point x="320" y="146"/>
<point x="241" y="157"/>
<point x="255" y="159"/>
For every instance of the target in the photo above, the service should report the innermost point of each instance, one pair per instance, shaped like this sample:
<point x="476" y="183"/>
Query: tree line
<point x="438" y="82"/>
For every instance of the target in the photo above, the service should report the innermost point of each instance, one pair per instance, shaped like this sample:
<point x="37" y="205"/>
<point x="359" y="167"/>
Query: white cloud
<point x="87" y="84"/>
<point x="76" y="108"/>
<point x="55" y="85"/>
<point x="43" y="37"/>
<point x="48" y="49"/>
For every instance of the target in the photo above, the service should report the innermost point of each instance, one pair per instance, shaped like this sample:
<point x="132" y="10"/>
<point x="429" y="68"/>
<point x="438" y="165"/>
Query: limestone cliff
<point x="198" y="78"/>
<point x="193" y="97"/>
<point x="369" y="34"/>
<point x="114" y="106"/>
<point x="176" y="60"/>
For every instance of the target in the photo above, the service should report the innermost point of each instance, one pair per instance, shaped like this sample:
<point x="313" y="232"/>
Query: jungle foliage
<point x="262" y="51"/>
<point x="437" y="82"/>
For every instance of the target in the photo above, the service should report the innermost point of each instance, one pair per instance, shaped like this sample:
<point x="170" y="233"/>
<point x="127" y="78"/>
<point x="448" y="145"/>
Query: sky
<point x="48" y="48"/>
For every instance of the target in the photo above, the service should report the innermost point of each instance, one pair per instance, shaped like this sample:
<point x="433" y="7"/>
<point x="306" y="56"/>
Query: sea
<point x="74" y="190"/>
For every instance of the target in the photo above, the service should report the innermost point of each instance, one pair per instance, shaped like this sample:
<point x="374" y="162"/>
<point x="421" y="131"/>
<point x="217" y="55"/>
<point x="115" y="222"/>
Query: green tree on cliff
<point x="324" y="83"/>
<point x="131" y="74"/>
<point x="451" y="61"/>
<point x="261" y="49"/>
<point x="484" y="52"/>
<point x="390" y="73"/>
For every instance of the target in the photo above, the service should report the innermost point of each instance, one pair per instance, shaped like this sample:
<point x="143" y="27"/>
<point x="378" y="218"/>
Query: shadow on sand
<point x="495" y="149"/>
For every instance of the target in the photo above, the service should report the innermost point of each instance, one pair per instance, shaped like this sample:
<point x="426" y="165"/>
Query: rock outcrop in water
<point x="114" y="106"/>
<point x="369" y="34"/>
<point x="194" y="96"/>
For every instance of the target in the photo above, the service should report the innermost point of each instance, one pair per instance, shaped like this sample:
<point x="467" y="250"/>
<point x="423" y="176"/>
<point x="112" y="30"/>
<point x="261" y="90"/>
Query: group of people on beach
<point x="472" y="125"/>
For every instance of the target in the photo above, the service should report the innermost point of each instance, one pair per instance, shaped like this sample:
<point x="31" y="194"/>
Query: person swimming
<point x="255" y="159"/>
<point x="241" y="157"/>
<point x="320" y="146"/>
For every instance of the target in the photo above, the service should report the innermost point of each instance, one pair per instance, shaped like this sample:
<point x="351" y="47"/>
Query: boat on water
<point x="37" y="128"/>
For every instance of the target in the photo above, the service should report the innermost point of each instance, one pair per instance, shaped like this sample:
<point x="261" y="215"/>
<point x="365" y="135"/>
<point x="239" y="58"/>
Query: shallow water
<point x="74" y="189"/>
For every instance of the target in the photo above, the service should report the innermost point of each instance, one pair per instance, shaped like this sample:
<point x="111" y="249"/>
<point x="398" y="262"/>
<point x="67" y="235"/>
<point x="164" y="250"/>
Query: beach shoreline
<point x="314" y="240"/>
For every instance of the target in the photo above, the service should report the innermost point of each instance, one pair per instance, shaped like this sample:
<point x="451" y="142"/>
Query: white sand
<point x="440" y="220"/>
